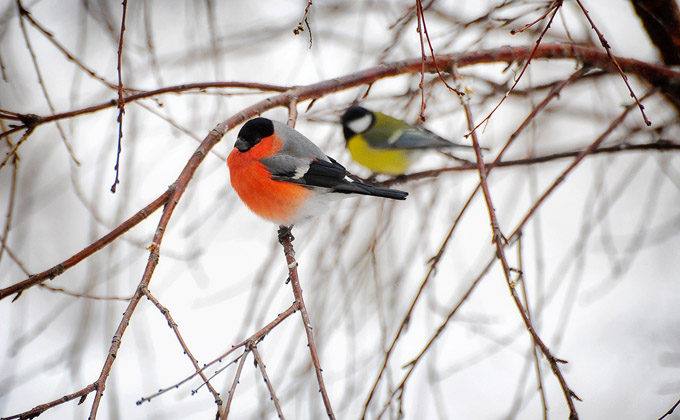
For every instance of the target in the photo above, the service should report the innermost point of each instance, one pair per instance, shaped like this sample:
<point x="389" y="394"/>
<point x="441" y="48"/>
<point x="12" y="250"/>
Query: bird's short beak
<point x="241" y="145"/>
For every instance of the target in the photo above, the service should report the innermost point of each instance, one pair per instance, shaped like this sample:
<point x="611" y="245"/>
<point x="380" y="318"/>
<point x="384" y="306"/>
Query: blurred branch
<point x="659" y="146"/>
<point x="434" y="262"/>
<point x="661" y="19"/>
<point x="69" y="56"/>
<point x="411" y="365"/>
<point x="23" y="12"/>
<point x="581" y="155"/>
<point x="82" y="295"/>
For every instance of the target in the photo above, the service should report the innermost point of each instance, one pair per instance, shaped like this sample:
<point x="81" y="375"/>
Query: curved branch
<point x="659" y="76"/>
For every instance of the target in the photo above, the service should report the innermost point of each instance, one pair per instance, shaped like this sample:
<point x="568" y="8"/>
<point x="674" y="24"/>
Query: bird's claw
<point x="285" y="231"/>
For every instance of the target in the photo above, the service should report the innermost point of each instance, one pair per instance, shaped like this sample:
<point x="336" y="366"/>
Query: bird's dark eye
<point x="252" y="132"/>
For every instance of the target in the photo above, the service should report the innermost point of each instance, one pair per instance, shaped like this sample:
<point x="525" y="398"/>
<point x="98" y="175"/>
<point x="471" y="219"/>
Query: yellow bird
<point x="384" y="144"/>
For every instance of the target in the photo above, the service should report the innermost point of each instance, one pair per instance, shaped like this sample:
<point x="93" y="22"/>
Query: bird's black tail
<point x="331" y="174"/>
<point x="360" y="188"/>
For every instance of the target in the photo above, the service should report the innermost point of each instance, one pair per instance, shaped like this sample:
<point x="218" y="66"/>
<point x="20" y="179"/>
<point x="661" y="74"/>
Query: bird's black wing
<point x="332" y="175"/>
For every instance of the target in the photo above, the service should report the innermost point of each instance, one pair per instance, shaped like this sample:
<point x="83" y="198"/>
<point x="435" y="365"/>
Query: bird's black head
<point x="252" y="132"/>
<point x="355" y="120"/>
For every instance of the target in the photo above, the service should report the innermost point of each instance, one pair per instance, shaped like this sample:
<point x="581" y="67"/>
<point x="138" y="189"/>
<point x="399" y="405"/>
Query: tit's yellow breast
<point x="383" y="161"/>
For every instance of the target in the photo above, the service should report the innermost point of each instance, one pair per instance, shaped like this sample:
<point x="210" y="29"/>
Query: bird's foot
<point x="285" y="231"/>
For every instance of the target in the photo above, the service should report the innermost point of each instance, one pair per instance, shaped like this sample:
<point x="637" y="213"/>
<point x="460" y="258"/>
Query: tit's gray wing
<point x="419" y="138"/>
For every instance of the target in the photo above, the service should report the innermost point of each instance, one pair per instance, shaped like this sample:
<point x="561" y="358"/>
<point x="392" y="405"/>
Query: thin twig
<point x="121" y="99"/>
<point x="289" y="252"/>
<point x="67" y="54"/>
<point x="270" y="387"/>
<point x="299" y="28"/>
<point x="537" y="363"/>
<point x="421" y="17"/>
<point x="535" y="21"/>
<point x="173" y="325"/>
<point x="411" y="365"/>
<point x="38" y="410"/>
<point x="661" y="146"/>
<point x="11" y="201"/>
<point x="579" y="157"/>
<point x="611" y="56"/>
<point x="83" y="296"/>
<point x="292" y="113"/>
<point x="255" y="338"/>
<point x="669" y="412"/>
<point x="23" y="12"/>
<point x="15" y="258"/>
<point x="556" y="6"/>
<point x="499" y="241"/>
<point x="237" y="376"/>
<point x="35" y="120"/>
<point x="12" y="152"/>
<point x="434" y="262"/>
<point x="421" y="85"/>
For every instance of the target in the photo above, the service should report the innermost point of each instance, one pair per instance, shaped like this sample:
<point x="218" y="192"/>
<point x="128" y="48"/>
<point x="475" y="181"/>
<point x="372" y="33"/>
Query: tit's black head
<point x="355" y="120"/>
<point x="252" y="132"/>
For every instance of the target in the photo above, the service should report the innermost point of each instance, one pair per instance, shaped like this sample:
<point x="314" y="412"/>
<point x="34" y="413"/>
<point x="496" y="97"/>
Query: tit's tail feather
<point x="359" y="188"/>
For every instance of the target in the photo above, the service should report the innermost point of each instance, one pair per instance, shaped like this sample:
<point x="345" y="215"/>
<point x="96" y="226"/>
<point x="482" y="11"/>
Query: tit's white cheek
<point x="360" y="124"/>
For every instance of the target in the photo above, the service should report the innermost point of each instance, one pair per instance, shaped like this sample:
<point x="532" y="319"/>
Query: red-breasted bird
<point x="283" y="177"/>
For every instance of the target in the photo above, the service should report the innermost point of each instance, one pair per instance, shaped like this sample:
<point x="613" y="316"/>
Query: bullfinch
<point x="283" y="177"/>
<point x="384" y="144"/>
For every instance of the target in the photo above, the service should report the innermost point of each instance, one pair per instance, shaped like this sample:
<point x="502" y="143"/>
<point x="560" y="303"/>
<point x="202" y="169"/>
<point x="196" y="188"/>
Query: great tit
<point x="385" y="144"/>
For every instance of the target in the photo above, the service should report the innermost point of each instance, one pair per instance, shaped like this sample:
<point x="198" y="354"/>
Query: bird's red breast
<point x="278" y="201"/>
